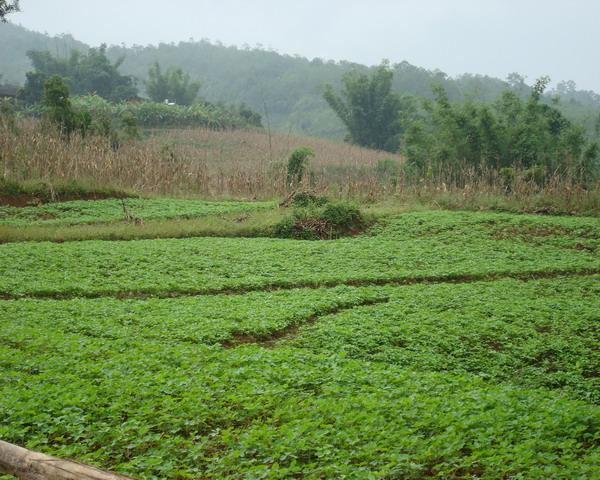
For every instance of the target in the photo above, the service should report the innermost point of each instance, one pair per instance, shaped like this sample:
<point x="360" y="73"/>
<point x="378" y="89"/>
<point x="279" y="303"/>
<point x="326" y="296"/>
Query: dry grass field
<point x="207" y="163"/>
<point x="252" y="165"/>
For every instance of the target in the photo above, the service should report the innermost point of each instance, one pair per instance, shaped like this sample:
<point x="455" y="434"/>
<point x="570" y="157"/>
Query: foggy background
<point x="494" y="37"/>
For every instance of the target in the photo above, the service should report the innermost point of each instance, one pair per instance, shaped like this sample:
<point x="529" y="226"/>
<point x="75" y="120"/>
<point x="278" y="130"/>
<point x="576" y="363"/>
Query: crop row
<point x="196" y="320"/>
<point x="536" y="334"/>
<point x="103" y="211"/>
<point x="157" y="410"/>
<point x="450" y="245"/>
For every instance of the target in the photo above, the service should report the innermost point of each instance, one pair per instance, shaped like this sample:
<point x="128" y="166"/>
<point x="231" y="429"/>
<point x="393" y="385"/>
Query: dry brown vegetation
<point x="207" y="163"/>
<point x="247" y="164"/>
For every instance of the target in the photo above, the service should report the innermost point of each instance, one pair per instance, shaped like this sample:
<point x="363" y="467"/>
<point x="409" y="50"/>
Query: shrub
<point x="535" y="175"/>
<point x="334" y="220"/>
<point x="297" y="164"/>
<point x="307" y="199"/>
<point x="129" y="126"/>
<point x="507" y="177"/>
<point x="58" y="108"/>
<point x="159" y="115"/>
<point x="344" y="216"/>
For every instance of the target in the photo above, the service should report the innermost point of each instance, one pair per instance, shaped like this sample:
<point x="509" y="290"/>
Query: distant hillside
<point x="17" y="41"/>
<point x="285" y="89"/>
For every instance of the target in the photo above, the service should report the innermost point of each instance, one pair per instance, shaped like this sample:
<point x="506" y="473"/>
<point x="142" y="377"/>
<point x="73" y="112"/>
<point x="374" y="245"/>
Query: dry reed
<point x="207" y="163"/>
<point x="247" y="164"/>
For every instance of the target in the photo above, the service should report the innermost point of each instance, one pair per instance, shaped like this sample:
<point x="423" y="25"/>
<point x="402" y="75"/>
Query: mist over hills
<point x="285" y="89"/>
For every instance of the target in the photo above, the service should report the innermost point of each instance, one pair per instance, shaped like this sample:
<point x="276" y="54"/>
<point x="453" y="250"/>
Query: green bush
<point x="159" y="115"/>
<point x="342" y="216"/>
<point x="507" y="177"/>
<point x="535" y="175"/>
<point x="8" y="115"/>
<point x="59" y="111"/>
<point x="307" y="199"/>
<point x="297" y="164"/>
<point x="331" y="221"/>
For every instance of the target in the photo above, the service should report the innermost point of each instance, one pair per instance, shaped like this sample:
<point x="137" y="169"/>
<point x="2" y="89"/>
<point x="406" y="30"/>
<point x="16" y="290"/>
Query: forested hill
<point x="16" y="41"/>
<point x="285" y="89"/>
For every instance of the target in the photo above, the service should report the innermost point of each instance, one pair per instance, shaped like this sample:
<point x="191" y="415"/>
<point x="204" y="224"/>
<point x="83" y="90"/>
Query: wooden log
<point x="28" y="465"/>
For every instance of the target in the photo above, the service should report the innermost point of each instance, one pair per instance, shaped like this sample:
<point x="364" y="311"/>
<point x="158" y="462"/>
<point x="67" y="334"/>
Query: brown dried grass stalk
<point x="249" y="164"/>
<point x="215" y="164"/>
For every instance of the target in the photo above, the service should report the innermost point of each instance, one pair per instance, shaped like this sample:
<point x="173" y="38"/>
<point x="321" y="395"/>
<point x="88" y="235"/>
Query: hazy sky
<point x="495" y="37"/>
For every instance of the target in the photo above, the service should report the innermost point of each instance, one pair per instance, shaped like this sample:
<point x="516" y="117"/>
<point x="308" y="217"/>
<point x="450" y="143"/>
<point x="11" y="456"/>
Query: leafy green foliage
<point x="481" y="380"/>
<point x="58" y="108"/>
<point x="209" y="320"/>
<point x="420" y="245"/>
<point x="84" y="73"/>
<point x="513" y="133"/>
<point x="102" y="211"/>
<point x="297" y="164"/>
<point x="344" y="216"/>
<point x="156" y="409"/>
<point x="536" y="334"/>
<point x="172" y="85"/>
<point x="8" y="116"/>
<point x="159" y="115"/>
<point x="369" y="109"/>
<point x="329" y="221"/>
<point x="252" y="117"/>
<point x="307" y="199"/>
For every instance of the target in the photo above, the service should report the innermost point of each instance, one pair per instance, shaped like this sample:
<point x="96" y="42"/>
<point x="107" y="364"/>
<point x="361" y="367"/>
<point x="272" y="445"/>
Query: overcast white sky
<point x="495" y="37"/>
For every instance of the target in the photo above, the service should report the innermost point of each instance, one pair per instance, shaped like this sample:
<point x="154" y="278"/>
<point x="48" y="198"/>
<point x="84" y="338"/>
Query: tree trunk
<point x="28" y="465"/>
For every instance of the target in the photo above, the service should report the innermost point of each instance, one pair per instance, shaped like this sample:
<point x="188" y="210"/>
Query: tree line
<point x="436" y="134"/>
<point x="286" y="88"/>
<point x="92" y="72"/>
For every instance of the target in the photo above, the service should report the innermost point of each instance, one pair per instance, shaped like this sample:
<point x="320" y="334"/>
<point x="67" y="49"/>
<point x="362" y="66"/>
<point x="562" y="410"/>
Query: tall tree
<point x="7" y="7"/>
<point x="172" y="85"/>
<point x="368" y="108"/>
<point x="526" y="134"/>
<point x="91" y="72"/>
<point x="58" y="108"/>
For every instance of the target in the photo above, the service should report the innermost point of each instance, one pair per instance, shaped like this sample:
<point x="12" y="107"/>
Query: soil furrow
<point x="289" y="331"/>
<point x="242" y="290"/>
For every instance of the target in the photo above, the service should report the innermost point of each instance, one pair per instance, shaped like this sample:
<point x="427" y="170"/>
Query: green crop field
<point x="79" y="212"/>
<point x="435" y="345"/>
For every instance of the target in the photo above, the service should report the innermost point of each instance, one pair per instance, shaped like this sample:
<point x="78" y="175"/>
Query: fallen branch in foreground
<point x="28" y="465"/>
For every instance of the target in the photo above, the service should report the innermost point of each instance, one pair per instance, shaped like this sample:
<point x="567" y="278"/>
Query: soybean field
<point x="451" y="345"/>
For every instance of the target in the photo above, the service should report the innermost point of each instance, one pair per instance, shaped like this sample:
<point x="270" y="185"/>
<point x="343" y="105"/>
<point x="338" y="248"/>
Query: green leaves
<point x="422" y="246"/>
<point x="534" y="334"/>
<point x="151" y="410"/>
<point x="527" y="135"/>
<point x="173" y="85"/>
<point x="487" y="380"/>
<point x="105" y="211"/>
<point x="91" y="72"/>
<point x="369" y="109"/>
